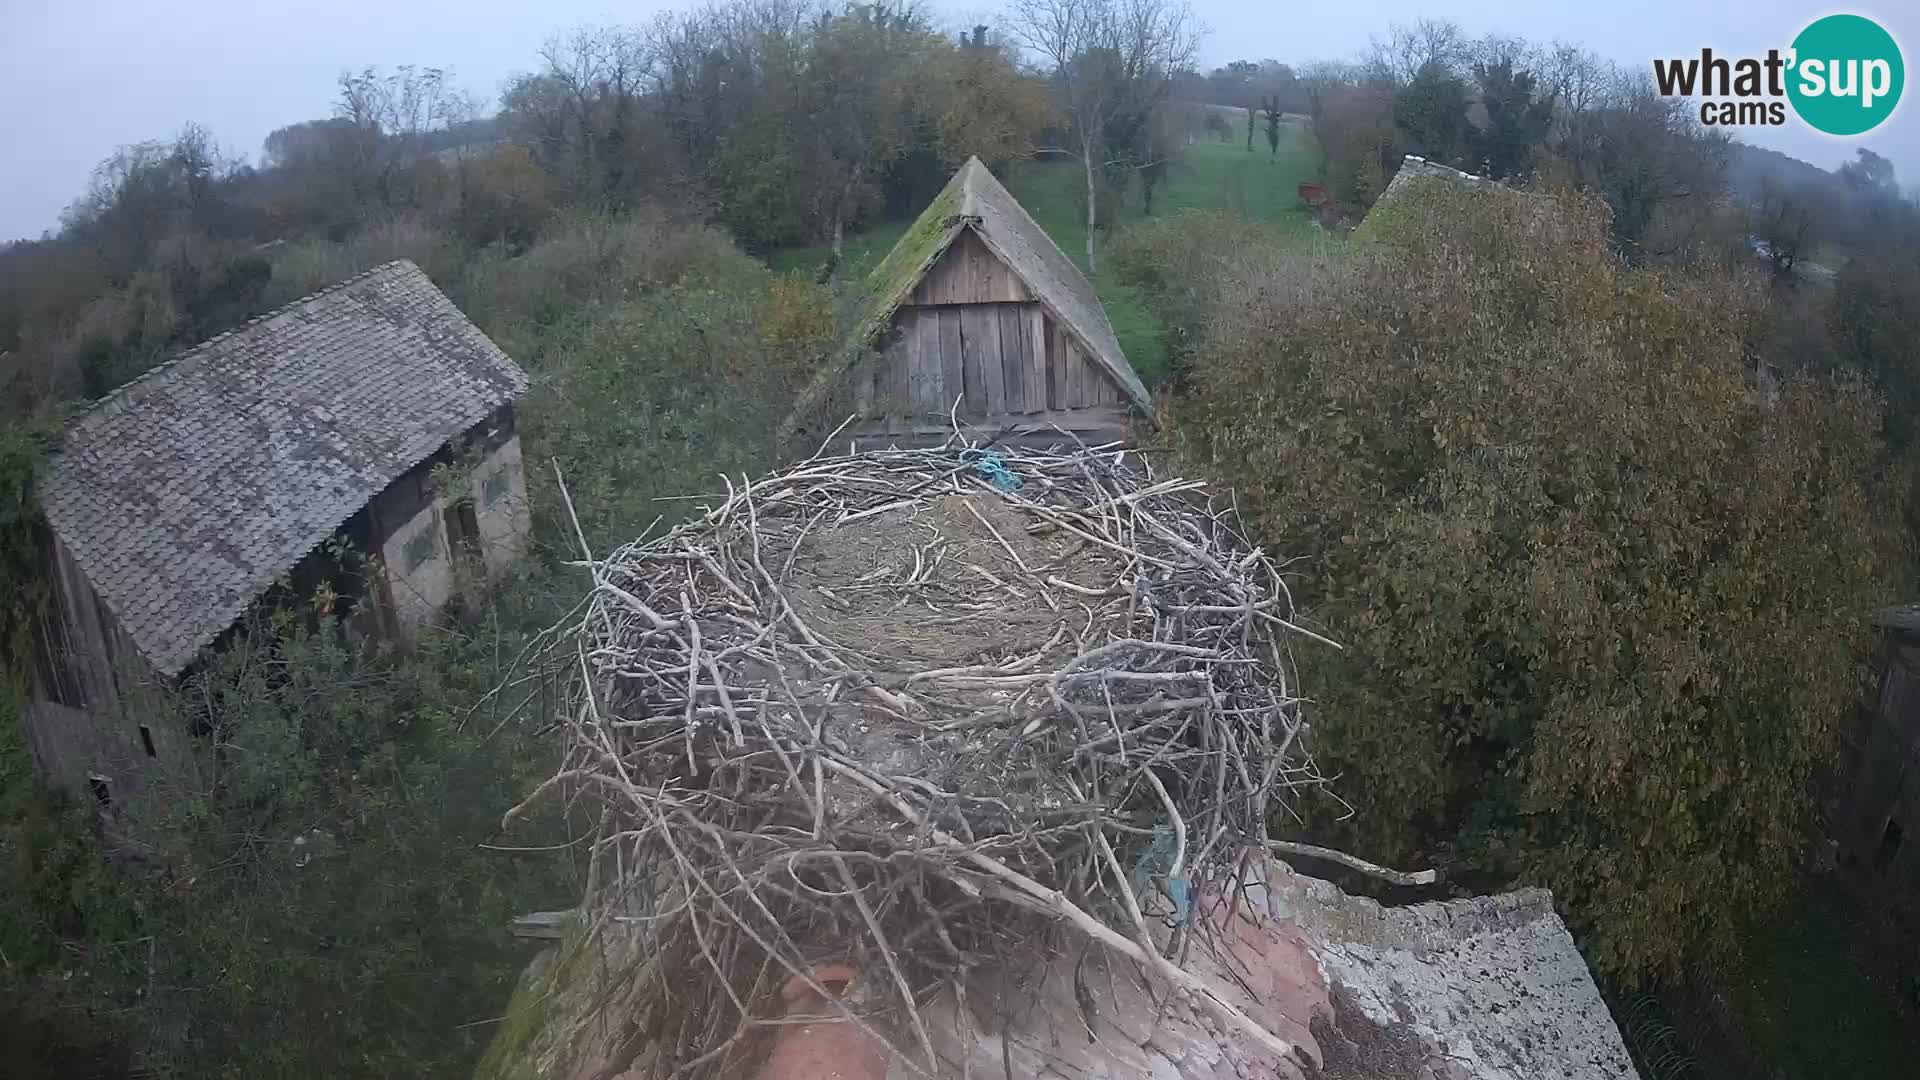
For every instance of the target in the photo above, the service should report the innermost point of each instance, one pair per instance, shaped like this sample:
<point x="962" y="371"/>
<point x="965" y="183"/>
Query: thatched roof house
<point x="179" y="500"/>
<point x="977" y="315"/>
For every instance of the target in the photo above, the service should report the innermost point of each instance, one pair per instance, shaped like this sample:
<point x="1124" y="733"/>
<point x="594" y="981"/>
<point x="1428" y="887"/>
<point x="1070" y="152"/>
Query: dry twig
<point x="792" y="780"/>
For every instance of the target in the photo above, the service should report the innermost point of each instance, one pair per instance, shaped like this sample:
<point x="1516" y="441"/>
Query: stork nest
<point x="907" y="713"/>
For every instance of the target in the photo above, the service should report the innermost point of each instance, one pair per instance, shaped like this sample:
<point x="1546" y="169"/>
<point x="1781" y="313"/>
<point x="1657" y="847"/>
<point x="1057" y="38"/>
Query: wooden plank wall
<point x="969" y="274"/>
<point x="971" y="330"/>
<point x="996" y="358"/>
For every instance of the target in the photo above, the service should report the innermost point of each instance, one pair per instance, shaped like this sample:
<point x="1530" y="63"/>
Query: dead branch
<point x="792" y="776"/>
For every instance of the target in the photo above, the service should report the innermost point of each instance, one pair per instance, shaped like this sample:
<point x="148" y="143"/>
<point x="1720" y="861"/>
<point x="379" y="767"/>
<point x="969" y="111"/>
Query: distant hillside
<point x="1749" y="165"/>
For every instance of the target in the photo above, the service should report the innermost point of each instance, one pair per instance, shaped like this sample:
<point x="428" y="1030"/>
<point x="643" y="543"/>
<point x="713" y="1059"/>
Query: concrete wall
<point x="417" y="563"/>
<point x="415" y="524"/>
<point x="500" y="505"/>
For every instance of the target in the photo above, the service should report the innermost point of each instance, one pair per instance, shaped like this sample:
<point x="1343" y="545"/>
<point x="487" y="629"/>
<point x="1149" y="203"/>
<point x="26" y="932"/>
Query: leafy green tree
<point x="1601" y="601"/>
<point x="1661" y="174"/>
<point x="23" y="446"/>
<point x="1432" y="112"/>
<point x="1518" y="118"/>
<point x="1875" y="323"/>
<point x="1270" y="111"/>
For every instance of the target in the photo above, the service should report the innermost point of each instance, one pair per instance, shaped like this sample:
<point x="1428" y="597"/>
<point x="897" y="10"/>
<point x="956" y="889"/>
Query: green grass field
<point x="1211" y="176"/>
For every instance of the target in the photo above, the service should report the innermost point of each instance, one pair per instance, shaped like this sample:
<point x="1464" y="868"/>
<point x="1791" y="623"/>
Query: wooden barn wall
<point x="1875" y="819"/>
<point x="972" y="332"/>
<point x="88" y="713"/>
<point x="998" y="359"/>
<point x="969" y="274"/>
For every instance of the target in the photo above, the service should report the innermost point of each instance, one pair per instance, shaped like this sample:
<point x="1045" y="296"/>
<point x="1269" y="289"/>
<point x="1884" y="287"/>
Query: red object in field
<point x="1312" y="194"/>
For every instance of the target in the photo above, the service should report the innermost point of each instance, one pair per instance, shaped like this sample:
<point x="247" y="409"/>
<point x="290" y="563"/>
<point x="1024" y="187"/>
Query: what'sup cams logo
<point x="1842" y="76"/>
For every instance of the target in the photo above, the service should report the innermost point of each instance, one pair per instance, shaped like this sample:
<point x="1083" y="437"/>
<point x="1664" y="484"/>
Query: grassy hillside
<point x="1210" y="176"/>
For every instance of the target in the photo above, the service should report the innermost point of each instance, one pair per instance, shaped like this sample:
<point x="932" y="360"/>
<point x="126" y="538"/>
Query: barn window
<point x="495" y="487"/>
<point x="418" y="551"/>
<point x="1889" y="847"/>
<point x="463" y="528"/>
<point x="146" y="740"/>
<point x="102" y="789"/>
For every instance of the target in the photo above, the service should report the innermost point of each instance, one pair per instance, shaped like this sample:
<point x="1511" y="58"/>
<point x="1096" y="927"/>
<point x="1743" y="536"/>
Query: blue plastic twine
<point x="1157" y="860"/>
<point x="993" y="469"/>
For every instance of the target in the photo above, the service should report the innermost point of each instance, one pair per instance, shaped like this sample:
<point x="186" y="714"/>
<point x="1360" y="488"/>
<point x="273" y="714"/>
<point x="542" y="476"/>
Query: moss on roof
<point x="907" y="263"/>
<point x="973" y="198"/>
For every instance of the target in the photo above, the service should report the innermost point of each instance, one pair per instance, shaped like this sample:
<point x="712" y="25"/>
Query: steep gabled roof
<point x="973" y="199"/>
<point x="186" y="492"/>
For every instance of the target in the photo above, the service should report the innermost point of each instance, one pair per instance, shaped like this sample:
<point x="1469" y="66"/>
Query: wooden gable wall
<point x="972" y="330"/>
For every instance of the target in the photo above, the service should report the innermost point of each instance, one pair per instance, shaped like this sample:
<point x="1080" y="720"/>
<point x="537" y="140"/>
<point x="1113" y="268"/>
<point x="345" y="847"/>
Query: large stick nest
<point x="910" y="712"/>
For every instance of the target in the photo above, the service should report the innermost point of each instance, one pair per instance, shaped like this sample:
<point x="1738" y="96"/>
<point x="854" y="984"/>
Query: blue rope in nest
<point x="992" y="468"/>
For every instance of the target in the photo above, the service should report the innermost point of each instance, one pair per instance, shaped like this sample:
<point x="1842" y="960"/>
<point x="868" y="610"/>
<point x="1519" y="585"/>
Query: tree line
<point x="1515" y="110"/>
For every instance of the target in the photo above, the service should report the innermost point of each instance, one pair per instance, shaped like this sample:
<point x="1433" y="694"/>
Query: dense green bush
<point x="662" y="358"/>
<point x="1601" y="595"/>
<point x="591" y="259"/>
<point x="320" y="905"/>
<point x="1181" y="263"/>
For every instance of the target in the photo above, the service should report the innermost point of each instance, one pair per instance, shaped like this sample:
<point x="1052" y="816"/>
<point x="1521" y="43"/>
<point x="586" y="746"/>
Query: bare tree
<point x="1662" y="174"/>
<point x="580" y="110"/>
<point x="1409" y="47"/>
<point x="1107" y="59"/>
<point x="1578" y="79"/>
<point x="1784" y="222"/>
<point x="391" y="117"/>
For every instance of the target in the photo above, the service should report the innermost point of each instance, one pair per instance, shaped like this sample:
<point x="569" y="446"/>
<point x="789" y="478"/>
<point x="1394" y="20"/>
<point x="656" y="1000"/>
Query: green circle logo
<point x="1846" y="76"/>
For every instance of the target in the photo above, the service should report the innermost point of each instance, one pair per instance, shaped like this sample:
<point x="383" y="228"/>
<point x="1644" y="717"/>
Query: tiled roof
<point x="185" y="493"/>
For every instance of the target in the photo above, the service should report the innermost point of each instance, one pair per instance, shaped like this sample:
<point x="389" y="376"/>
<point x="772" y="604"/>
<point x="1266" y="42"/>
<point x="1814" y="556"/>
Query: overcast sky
<point x="81" y="77"/>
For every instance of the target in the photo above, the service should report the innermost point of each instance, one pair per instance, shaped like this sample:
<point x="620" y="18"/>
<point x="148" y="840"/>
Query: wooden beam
<point x="1056" y="392"/>
<point x="1078" y="421"/>
<point x="980" y="334"/>
<point x="928" y="369"/>
<point x="944" y="326"/>
<point x="1036" y="366"/>
<point x="1015" y="354"/>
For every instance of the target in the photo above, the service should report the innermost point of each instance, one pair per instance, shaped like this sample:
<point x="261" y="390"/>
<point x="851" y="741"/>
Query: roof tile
<point x="186" y="492"/>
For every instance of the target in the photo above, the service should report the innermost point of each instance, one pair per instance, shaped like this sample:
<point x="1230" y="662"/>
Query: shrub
<point x="1601" y="598"/>
<point x="324" y="908"/>
<point x="308" y="265"/>
<point x="1181" y="263"/>
<point x="655" y="398"/>
<point x="592" y="259"/>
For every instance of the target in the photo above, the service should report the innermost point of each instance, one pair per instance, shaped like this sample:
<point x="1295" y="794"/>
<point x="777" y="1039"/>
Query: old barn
<point x="976" y="315"/>
<point x="356" y="446"/>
